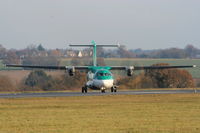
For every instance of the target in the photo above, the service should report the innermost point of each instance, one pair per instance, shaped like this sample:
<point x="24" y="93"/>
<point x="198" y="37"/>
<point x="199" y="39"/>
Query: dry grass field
<point x="171" y="113"/>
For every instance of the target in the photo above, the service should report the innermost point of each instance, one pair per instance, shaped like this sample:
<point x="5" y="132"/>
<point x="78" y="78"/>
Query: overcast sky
<point x="146" y="24"/>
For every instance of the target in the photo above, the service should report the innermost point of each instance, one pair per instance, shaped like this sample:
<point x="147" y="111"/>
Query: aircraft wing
<point x="118" y="67"/>
<point x="148" y="67"/>
<point x="49" y="67"/>
<point x="87" y="67"/>
<point x="161" y="67"/>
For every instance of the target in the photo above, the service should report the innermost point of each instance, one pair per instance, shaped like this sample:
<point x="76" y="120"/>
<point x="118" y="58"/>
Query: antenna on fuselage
<point x="94" y="46"/>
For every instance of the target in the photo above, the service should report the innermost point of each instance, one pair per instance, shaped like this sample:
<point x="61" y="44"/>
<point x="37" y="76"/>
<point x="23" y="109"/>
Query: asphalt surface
<point x="68" y="94"/>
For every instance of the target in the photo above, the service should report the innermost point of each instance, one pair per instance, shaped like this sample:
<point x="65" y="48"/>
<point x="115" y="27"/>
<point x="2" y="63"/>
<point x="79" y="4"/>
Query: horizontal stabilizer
<point x="91" y="45"/>
<point x="94" y="47"/>
<point x="77" y="45"/>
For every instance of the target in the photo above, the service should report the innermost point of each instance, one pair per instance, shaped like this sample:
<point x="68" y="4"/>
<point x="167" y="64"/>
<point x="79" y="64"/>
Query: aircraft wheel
<point x="84" y="89"/>
<point x="115" y="90"/>
<point x="112" y="89"/>
<point x="103" y="91"/>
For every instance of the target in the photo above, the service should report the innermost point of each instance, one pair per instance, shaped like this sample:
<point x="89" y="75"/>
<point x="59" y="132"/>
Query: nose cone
<point x="107" y="83"/>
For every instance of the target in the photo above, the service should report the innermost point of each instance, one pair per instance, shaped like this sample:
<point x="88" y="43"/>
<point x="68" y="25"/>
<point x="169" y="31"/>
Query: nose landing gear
<point x="103" y="90"/>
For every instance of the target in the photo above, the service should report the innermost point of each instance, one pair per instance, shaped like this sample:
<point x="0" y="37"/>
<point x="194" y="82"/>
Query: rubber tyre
<point x="112" y="90"/>
<point x="83" y="89"/>
<point x="102" y="91"/>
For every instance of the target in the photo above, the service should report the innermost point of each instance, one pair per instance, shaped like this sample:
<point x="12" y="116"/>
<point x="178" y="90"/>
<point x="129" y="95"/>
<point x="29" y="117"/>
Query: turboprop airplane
<point x="99" y="77"/>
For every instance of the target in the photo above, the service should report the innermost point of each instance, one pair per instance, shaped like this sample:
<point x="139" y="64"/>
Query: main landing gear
<point x="103" y="90"/>
<point x="113" y="89"/>
<point x="84" y="89"/>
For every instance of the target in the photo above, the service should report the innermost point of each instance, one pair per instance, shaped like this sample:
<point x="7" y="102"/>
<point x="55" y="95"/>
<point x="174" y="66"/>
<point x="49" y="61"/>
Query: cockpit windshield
<point x="104" y="74"/>
<point x="107" y="74"/>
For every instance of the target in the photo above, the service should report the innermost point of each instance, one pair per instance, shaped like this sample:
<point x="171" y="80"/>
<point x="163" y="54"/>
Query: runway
<point x="68" y="94"/>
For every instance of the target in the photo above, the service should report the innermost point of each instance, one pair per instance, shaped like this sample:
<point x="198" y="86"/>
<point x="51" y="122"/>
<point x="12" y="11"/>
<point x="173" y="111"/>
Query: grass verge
<point x="171" y="113"/>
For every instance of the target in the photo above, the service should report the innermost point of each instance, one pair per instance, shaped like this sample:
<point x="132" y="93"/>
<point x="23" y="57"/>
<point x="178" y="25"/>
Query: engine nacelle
<point x="129" y="70"/>
<point x="71" y="71"/>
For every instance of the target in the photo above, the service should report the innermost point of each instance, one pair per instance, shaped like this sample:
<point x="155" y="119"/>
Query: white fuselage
<point x="106" y="84"/>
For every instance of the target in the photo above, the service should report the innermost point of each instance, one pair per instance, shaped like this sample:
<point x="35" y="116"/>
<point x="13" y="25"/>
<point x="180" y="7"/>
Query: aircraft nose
<point x="107" y="83"/>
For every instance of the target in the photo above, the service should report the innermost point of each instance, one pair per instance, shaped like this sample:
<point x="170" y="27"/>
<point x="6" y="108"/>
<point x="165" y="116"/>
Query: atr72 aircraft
<point x="99" y="77"/>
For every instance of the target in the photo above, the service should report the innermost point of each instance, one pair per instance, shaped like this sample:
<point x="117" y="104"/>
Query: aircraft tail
<point x="94" y="46"/>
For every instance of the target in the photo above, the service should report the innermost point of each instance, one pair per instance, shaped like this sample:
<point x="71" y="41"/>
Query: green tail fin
<point x="94" y="53"/>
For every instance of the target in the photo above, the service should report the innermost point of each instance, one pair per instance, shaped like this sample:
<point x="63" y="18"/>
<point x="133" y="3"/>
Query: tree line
<point x="160" y="78"/>
<point x="37" y="54"/>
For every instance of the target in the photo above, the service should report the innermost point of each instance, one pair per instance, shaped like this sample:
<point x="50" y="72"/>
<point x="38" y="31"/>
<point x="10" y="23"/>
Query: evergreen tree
<point x="40" y="48"/>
